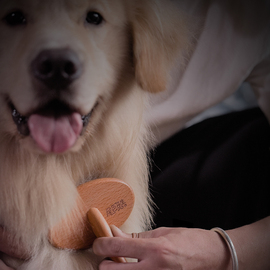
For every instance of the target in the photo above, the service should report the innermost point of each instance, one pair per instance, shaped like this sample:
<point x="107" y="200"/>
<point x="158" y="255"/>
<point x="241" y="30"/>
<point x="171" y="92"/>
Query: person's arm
<point x="252" y="244"/>
<point x="181" y="248"/>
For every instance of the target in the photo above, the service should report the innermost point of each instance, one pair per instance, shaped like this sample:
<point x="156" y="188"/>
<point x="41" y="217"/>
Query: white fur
<point x="131" y="53"/>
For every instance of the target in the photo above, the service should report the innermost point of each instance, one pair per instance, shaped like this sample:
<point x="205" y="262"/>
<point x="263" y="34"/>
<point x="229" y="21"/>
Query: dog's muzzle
<point x="56" y="124"/>
<point x="54" y="70"/>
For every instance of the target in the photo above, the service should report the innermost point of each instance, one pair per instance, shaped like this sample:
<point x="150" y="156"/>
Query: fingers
<point x="119" y="247"/>
<point x="141" y="246"/>
<point x="137" y="248"/>
<point x="118" y="233"/>
<point x="148" y="234"/>
<point x="110" y="265"/>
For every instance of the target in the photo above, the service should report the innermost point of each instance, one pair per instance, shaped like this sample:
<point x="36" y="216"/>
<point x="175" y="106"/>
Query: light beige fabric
<point x="233" y="46"/>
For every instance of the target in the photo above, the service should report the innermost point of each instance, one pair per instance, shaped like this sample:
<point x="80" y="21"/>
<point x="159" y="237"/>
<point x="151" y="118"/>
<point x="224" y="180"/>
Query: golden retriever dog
<point x="74" y="78"/>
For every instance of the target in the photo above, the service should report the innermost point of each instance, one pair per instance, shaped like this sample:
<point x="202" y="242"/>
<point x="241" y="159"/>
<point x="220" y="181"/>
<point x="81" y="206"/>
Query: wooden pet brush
<point x="101" y="203"/>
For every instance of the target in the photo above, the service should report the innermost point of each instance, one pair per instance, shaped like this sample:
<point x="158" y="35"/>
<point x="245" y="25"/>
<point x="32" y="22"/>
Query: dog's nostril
<point x="69" y="69"/>
<point x="57" y="69"/>
<point x="46" y="68"/>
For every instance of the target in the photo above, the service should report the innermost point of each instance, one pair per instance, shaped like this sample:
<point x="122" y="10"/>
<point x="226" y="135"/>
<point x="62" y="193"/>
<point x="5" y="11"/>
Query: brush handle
<point x="101" y="228"/>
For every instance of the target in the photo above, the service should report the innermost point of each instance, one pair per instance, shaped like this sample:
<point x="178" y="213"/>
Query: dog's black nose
<point x="56" y="68"/>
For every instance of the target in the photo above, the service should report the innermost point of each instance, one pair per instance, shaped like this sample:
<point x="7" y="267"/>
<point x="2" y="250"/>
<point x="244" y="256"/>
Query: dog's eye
<point x="94" y="18"/>
<point x="15" y="18"/>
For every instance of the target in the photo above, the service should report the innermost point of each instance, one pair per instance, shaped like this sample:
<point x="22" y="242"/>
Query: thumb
<point x="119" y="233"/>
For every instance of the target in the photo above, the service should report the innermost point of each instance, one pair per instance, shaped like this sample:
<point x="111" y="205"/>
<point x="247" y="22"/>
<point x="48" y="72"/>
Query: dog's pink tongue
<point x="55" y="135"/>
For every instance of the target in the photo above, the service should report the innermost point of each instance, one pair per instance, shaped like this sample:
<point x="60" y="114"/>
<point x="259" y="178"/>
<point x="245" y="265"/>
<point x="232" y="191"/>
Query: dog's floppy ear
<point x="159" y="38"/>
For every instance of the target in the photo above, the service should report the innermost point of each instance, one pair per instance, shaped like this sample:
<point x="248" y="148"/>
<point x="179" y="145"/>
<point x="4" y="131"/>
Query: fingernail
<point x="116" y="231"/>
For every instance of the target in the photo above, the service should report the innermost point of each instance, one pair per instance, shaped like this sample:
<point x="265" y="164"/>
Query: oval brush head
<point x="113" y="199"/>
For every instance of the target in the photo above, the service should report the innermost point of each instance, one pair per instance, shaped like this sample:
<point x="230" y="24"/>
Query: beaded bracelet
<point x="229" y="243"/>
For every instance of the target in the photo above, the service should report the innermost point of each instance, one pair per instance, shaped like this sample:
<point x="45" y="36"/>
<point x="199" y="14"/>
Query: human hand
<point x="165" y="248"/>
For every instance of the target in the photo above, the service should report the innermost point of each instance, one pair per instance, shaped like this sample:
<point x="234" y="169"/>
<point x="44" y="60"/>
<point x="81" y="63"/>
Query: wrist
<point x="232" y="261"/>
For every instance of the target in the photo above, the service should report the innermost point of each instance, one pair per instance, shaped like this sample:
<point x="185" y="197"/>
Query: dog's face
<point x="60" y="62"/>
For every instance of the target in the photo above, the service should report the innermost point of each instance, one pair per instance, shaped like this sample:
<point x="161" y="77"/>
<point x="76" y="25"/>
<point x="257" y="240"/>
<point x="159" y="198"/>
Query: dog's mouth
<point x="54" y="127"/>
